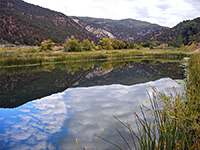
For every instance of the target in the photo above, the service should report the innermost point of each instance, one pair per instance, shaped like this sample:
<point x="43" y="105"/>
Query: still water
<point x="48" y="107"/>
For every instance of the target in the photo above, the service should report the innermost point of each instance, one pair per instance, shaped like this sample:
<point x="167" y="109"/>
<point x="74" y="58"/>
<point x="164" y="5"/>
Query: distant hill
<point x="185" y="31"/>
<point x="126" y="29"/>
<point x="26" y="23"/>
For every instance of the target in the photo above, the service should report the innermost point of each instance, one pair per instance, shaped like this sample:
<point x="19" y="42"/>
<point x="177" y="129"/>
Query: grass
<point x="176" y="118"/>
<point x="21" y="56"/>
<point x="104" y="64"/>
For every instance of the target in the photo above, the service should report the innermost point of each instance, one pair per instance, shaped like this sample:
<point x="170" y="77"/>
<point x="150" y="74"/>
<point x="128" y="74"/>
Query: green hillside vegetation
<point x="27" y="24"/>
<point x="185" y="33"/>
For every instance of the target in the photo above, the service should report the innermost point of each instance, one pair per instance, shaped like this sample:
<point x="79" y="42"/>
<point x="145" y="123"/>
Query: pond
<point x="48" y="107"/>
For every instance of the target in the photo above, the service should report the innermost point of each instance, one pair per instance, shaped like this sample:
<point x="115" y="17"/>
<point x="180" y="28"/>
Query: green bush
<point x="17" y="43"/>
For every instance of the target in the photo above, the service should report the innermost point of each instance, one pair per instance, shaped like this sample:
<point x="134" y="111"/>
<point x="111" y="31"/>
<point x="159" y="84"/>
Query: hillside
<point x="26" y="23"/>
<point x="186" y="31"/>
<point x="126" y="29"/>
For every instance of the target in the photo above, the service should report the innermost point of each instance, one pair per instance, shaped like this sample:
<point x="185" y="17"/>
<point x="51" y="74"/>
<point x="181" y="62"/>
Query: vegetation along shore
<point x="75" y="51"/>
<point x="175" y="122"/>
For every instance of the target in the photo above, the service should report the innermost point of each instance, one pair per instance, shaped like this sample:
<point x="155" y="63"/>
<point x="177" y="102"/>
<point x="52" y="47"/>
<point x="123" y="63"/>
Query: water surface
<point x="54" y="105"/>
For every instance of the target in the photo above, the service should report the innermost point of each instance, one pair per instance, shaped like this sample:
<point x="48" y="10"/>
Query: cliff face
<point x="126" y="29"/>
<point x="26" y="23"/>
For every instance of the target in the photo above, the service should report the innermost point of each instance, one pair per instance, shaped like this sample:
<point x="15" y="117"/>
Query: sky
<point x="163" y="12"/>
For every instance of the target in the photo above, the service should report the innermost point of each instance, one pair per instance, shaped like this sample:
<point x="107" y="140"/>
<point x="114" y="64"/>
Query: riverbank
<point x="174" y="126"/>
<point x="22" y="56"/>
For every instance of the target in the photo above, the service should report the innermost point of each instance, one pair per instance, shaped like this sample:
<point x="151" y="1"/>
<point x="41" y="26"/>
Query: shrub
<point x="131" y="45"/>
<point x="47" y="45"/>
<point x="72" y="45"/>
<point x="17" y="43"/>
<point x="93" y="46"/>
<point x="36" y="43"/>
<point x="86" y="45"/>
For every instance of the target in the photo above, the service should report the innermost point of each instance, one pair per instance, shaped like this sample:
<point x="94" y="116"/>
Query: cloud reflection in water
<point x="55" y="121"/>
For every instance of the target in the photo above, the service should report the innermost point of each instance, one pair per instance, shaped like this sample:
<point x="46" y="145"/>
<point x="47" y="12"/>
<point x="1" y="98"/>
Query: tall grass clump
<point x="176" y="118"/>
<point x="19" y="56"/>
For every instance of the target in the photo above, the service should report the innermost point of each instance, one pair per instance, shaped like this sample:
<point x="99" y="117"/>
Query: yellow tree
<point x="47" y="45"/>
<point x="93" y="45"/>
<point x="116" y="44"/>
<point x="86" y="45"/>
<point x="122" y="44"/>
<point x="72" y="45"/>
<point x="107" y="43"/>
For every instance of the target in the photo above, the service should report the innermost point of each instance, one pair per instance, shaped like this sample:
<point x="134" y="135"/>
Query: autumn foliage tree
<point x="72" y="45"/>
<point x="107" y="43"/>
<point x="122" y="45"/>
<point x="86" y="45"/>
<point x="93" y="46"/>
<point x="110" y="44"/>
<point x="116" y="44"/>
<point x="47" y="45"/>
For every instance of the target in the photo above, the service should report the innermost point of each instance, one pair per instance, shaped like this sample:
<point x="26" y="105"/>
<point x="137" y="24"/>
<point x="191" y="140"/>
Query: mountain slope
<point x="184" y="31"/>
<point x="25" y="23"/>
<point x="126" y="29"/>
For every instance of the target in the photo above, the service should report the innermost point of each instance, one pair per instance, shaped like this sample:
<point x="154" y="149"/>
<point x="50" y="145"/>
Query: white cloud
<point x="163" y="12"/>
<point x="25" y="110"/>
<point x="90" y="113"/>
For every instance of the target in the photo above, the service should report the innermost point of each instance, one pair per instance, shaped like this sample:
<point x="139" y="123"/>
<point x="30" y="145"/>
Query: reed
<point x="176" y="118"/>
<point x="30" y="55"/>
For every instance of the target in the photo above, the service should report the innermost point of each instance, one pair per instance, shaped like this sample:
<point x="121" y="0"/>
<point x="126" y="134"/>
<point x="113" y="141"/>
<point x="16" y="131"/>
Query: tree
<point x="116" y="44"/>
<point x="131" y="45"/>
<point x="86" y="45"/>
<point x="47" y="45"/>
<point x="17" y="43"/>
<point x="138" y="46"/>
<point x="36" y="43"/>
<point x="93" y="46"/>
<point x="147" y="44"/>
<point x="192" y="39"/>
<point x="122" y="45"/>
<point x="189" y="29"/>
<point x="107" y="43"/>
<point x="192" y="44"/>
<point x="126" y="42"/>
<point x="176" y="43"/>
<point x="100" y="47"/>
<point x="72" y="45"/>
<point x="108" y="47"/>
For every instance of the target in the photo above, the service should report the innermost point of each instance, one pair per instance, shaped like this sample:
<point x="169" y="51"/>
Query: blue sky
<point x="163" y="12"/>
